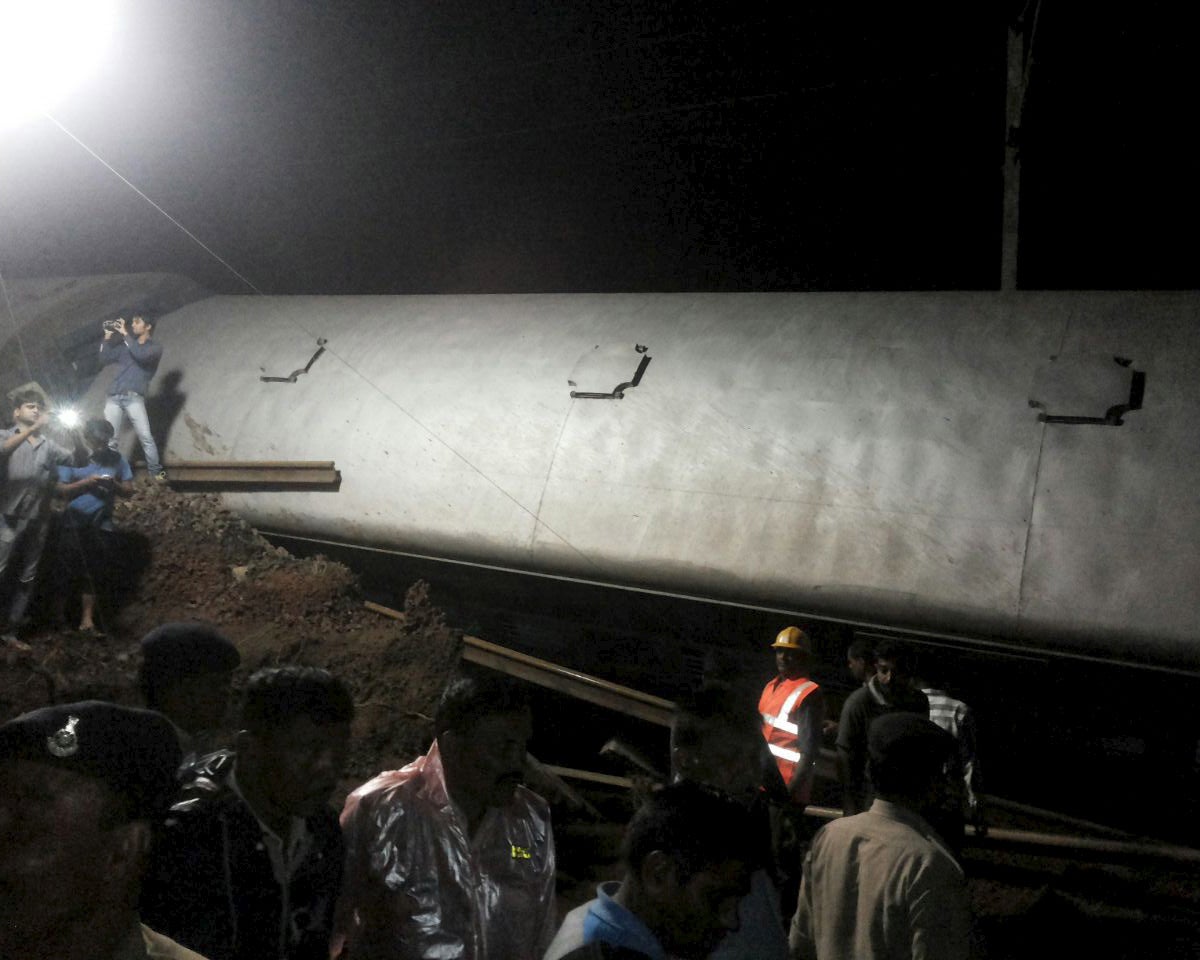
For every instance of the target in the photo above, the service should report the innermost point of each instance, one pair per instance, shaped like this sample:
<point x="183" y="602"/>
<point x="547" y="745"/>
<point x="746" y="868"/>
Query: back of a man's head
<point x="908" y="754"/>
<point x="688" y="854"/>
<point x="186" y="672"/>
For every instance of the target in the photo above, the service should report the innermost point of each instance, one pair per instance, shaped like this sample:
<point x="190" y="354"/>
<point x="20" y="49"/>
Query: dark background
<point x="471" y="146"/>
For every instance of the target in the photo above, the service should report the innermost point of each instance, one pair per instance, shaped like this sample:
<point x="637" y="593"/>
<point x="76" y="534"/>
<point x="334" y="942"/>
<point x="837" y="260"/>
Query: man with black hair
<point x="884" y="884"/>
<point x="451" y="857"/>
<point x="28" y="461"/>
<point x="688" y="857"/>
<point x="715" y="743"/>
<point x="249" y="863"/>
<point x="80" y="786"/>
<point x="137" y="357"/>
<point x="860" y="660"/>
<point x="186" y="675"/>
<point x="86" y="552"/>
<point x="890" y="690"/>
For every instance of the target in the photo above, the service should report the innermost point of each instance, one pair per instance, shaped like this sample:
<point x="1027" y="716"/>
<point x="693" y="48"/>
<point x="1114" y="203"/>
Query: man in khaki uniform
<point x="80" y="785"/>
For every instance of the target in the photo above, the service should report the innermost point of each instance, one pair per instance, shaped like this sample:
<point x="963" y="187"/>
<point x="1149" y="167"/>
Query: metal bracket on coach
<point x="617" y="392"/>
<point x="321" y="341"/>
<point x="1074" y="389"/>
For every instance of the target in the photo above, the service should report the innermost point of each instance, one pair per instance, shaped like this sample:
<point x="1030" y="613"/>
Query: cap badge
<point x="63" y="743"/>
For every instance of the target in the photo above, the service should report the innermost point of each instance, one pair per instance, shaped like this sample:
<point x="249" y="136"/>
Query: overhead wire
<point x="12" y="319"/>
<point x="367" y="380"/>
<point x="125" y="180"/>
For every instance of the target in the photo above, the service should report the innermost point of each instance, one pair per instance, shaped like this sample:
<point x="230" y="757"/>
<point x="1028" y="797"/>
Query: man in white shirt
<point x="883" y="883"/>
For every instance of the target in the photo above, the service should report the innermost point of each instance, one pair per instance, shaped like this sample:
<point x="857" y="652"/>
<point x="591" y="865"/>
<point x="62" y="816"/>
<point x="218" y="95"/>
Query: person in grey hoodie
<point x="137" y="357"/>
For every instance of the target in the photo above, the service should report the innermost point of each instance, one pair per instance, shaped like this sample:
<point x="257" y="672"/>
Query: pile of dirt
<point x="186" y="557"/>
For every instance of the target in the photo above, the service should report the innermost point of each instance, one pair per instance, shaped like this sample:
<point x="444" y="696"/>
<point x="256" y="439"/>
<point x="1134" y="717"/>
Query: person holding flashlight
<point x="137" y="357"/>
<point x="27" y="463"/>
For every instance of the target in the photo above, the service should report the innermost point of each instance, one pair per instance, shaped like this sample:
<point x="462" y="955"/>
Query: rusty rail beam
<point x="574" y="683"/>
<point x="582" y="686"/>
<point x="291" y="473"/>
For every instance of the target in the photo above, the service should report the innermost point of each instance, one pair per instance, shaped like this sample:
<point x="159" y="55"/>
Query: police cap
<point x="135" y="753"/>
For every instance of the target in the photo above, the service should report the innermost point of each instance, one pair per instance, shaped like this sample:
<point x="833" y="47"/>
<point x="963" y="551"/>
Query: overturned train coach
<point x="1014" y="469"/>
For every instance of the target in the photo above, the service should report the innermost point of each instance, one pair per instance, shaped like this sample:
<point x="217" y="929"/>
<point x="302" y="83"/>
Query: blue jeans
<point x="116" y="408"/>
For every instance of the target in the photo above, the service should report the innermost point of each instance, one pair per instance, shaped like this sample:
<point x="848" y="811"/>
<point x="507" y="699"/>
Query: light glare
<point x="48" y="48"/>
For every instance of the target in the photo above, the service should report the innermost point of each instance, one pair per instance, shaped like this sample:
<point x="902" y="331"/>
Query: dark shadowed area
<point x="374" y="147"/>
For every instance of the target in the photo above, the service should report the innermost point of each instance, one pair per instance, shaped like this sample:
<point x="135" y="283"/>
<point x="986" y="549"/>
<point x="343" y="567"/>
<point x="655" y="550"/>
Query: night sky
<point x="455" y="146"/>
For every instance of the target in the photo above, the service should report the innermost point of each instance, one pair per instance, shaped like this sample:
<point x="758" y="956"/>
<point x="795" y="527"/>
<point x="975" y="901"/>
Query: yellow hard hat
<point x="791" y="638"/>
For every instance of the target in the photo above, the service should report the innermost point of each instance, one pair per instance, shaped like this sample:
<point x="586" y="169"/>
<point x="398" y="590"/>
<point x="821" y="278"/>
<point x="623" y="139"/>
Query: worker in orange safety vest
<point x="792" y="709"/>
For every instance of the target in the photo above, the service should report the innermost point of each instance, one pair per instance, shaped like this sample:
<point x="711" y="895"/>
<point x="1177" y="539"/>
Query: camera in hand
<point x="113" y="325"/>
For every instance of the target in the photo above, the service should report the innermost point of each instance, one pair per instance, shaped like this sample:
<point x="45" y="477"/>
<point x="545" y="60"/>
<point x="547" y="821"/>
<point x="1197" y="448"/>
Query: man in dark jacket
<point x="249" y="863"/>
<point x="889" y="691"/>
<point x="137" y="357"/>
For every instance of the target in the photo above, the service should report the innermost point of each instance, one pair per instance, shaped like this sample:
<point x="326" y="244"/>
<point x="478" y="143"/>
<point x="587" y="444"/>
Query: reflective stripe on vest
<point x="783" y="753"/>
<point x="785" y="725"/>
<point x="788" y="705"/>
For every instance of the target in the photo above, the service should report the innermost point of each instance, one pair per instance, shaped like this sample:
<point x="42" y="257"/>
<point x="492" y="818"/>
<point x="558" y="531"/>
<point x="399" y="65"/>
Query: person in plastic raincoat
<point x="451" y="857"/>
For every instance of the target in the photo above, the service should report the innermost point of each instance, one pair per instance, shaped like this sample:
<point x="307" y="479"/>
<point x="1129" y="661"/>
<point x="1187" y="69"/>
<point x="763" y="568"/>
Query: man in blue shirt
<point x="689" y="853"/>
<point x="137" y="358"/>
<point x="85" y="550"/>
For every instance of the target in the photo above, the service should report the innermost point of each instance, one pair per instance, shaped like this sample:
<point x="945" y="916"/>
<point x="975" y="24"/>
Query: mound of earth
<point x="185" y="557"/>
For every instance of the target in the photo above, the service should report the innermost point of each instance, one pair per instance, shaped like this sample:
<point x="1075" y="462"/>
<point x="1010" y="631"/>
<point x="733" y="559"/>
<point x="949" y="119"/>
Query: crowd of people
<point x="87" y="471"/>
<point x="128" y="832"/>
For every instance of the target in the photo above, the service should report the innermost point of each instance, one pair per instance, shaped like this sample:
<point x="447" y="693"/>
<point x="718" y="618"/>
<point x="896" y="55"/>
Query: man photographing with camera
<point x="137" y="358"/>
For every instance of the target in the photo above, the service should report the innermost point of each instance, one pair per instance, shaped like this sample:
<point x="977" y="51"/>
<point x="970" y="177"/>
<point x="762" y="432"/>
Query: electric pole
<point x="1021" y="33"/>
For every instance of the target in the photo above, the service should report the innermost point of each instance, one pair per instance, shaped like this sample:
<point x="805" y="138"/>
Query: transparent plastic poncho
<point x="416" y="886"/>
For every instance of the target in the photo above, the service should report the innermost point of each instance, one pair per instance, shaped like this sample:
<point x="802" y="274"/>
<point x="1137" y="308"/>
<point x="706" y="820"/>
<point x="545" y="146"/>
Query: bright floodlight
<point x="69" y="418"/>
<point x="48" y="47"/>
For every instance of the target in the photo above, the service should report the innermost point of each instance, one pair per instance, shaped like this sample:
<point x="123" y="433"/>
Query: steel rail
<point x="292" y="473"/>
<point x="574" y="683"/>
